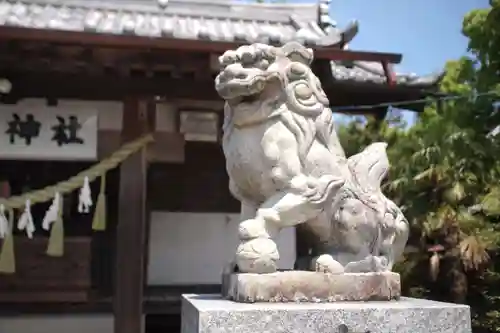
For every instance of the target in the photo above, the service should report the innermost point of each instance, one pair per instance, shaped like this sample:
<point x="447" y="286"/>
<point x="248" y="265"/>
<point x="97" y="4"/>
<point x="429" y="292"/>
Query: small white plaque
<point x="199" y="126"/>
<point x="48" y="133"/>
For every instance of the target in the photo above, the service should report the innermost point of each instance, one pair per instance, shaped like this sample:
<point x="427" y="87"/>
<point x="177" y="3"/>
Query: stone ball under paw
<point x="257" y="256"/>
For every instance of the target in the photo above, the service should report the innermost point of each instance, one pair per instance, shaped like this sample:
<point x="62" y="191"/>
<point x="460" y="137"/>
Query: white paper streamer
<point x="85" y="198"/>
<point x="52" y="213"/>
<point x="26" y="220"/>
<point x="4" y="223"/>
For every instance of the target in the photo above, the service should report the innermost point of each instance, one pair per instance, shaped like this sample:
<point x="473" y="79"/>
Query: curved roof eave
<point x="372" y="72"/>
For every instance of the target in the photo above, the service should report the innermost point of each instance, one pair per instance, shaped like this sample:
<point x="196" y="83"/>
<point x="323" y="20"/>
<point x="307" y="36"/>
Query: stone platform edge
<point x="213" y="314"/>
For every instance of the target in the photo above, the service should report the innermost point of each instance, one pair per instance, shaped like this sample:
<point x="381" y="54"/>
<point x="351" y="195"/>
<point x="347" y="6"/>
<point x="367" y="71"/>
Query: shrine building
<point x="85" y="76"/>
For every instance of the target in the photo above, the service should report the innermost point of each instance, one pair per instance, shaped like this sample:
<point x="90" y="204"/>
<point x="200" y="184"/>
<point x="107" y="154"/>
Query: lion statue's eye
<point x="297" y="71"/>
<point x="303" y="91"/>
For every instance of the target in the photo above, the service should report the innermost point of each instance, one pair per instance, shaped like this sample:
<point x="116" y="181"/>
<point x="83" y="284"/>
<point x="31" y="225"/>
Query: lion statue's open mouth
<point x="237" y="84"/>
<point x="245" y="73"/>
<point x="244" y="86"/>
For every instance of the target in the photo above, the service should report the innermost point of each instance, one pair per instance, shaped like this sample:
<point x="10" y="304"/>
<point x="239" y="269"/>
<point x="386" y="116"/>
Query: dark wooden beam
<point x="349" y="93"/>
<point x="114" y="87"/>
<point x="78" y="59"/>
<point x="106" y="87"/>
<point x="131" y="229"/>
<point x="351" y="55"/>
<point x="157" y="300"/>
<point x="189" y="45"/>
<point x="150" y="113"/>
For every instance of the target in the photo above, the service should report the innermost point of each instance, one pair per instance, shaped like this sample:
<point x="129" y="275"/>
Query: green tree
<point x="446" y="175"/>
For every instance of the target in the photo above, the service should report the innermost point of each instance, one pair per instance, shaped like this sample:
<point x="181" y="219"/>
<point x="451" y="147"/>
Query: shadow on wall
<point x="192" y="248"/>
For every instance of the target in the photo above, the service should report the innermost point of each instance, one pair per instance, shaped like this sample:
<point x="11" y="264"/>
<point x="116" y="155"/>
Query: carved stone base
<point x="314" y="287"/>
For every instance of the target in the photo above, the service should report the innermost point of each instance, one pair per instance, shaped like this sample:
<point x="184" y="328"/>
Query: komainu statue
<point x="288" y="169"/>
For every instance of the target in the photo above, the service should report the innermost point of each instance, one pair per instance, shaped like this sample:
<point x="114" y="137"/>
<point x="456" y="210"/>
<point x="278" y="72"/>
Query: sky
<point x="426" y="32"/>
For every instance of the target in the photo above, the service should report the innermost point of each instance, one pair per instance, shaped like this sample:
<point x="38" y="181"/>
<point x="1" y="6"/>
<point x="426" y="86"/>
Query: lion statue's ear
<point x="370" y="166"/>
<point x="297" y="52"/>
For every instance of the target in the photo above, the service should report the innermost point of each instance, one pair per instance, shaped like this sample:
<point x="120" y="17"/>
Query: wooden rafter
<point x="85" y="86"/>
<point x="163" y="43"/>
<point x="36" y="56"/>
<point x="106" y="87"/>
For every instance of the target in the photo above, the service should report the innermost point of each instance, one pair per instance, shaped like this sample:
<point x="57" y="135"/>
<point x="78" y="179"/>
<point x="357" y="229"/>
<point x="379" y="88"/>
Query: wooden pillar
<point x="131" y="229"/>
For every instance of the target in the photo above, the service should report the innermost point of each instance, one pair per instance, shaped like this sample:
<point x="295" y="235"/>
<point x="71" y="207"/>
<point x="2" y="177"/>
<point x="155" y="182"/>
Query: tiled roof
<point x="372" y="72"/>
<point x="215" y="20"/>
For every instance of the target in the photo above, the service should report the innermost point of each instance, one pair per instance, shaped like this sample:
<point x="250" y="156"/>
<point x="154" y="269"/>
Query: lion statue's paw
<point x="326" y="264"/>
<point x="257" y="228"/>
<point x="367" y="265"/>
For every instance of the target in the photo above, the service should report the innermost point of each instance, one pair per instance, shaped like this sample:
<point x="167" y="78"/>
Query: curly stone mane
<point x="260" y="82"/>
<point x="287" y="167"/>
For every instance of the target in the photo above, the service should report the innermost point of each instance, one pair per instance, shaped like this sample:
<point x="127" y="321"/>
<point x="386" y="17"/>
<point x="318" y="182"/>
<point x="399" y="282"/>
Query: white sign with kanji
<point x="37" y="132"/>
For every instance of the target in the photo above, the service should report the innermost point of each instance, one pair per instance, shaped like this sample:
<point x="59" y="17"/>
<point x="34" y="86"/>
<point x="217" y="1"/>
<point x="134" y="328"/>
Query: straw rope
<point x="75" y="182"/>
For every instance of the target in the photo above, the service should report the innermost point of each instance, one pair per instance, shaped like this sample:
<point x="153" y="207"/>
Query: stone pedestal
<point x="304" y="286"/>
<point x="213" y="314"/>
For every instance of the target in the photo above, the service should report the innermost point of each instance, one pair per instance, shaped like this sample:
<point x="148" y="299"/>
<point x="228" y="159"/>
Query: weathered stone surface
<point x="304" y="286"/>
<point x="287" y="168"/>
<point x="212" y="314"/>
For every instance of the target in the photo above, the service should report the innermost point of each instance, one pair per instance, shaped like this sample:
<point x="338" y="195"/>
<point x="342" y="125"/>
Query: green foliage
<point x="446" y="174"/>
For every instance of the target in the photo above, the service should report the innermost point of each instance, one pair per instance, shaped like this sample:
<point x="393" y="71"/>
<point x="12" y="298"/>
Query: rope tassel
<point x="75" y="182"/>
<point x="55" y="248"/>
<point x="54" y="215"/>
<point x="99" y="221"/>
<point x="7" y="256"/>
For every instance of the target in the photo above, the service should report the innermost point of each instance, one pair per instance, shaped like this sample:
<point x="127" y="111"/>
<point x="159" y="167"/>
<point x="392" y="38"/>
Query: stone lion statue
<point x="288" y="169"/>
